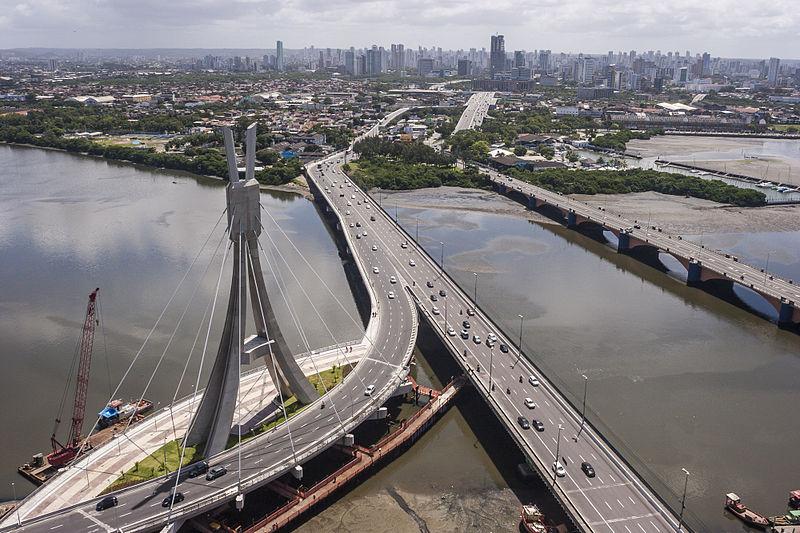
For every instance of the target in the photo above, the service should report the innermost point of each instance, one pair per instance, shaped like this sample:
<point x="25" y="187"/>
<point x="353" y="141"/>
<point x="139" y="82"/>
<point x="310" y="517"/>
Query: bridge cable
<point x="276" y="272"/>
<point x="338" y="301"/>
<point x="319" y="315"/>
<point x="277" y="385"/>
<point x="202" y="361"/>
<point x="155" y="325"/>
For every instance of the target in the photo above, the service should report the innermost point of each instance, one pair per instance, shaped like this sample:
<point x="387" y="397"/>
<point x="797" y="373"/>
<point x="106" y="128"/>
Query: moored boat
<point x="735" y="506"/>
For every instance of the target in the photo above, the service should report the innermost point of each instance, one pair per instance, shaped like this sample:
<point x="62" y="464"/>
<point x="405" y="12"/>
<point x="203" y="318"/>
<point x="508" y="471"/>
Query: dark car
<point x="538" y="425"/>
<point x="198" y="469"/>
<point x="106" y="503"/>
<point x="588" y="469"/>
<point x="214" y="473"/>
<point x="372" y="218"/>
<point x="504" y="348"/>
<point x="442" y="293"/>
<point x="179" y="497"/>
<point x="434" y="298"/>
<point x="523" y="422"/>
<point x="465" y="324"/>
<point x="429" y="284"/>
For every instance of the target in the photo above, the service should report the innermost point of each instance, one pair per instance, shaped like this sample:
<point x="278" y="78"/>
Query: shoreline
<point x="297" y="186"/>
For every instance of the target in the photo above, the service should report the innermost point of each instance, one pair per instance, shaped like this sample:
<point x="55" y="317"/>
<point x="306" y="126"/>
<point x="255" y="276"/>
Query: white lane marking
<point x="96" y="521"/>
<point x="655" y="526"/>
<point x="640" y="527"/>
<point x="608" y="505"/>
<point x="632" y="500"/>
<point x="620" y="503"/>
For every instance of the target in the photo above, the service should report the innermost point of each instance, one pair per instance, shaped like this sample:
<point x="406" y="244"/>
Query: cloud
<point x="757" y="28"/>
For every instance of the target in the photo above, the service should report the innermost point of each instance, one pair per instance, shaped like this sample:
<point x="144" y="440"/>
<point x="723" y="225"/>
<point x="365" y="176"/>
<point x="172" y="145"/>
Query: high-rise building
<point x="350" y="62"/>
<point x="497" y="54"/>
<point x="544" y="60"/>
<point x="464" y="67"/>
<point x="706" y="66"/>
<point x="587" y="68"/>
<point x="375" y="61"/>
<point x="280" y="64"/>
<point x="424" y="66"/>
<point x="519" y="58"/>
<point x="772" y="72"/>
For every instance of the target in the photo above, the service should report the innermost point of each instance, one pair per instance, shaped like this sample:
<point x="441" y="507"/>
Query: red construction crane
<point x="64" y="453"/>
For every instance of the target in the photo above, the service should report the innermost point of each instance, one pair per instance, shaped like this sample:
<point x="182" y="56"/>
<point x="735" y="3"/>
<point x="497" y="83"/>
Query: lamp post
<point x="766" y="268"/>
<point x="441" y="260"/>
<point x="583" y="413"/>
<point x="16" y="504"/>
<point x="491" y="366"/>
<point x="475" y="292"/>
<point x="558" y="448"/>
<point x="417" y="231"/>
<point x="683" y="500"/>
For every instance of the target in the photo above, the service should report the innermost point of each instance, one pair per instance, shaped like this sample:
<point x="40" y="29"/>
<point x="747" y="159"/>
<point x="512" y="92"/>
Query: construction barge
<point x="113" y="419"/>
<point x="116" y="416"/>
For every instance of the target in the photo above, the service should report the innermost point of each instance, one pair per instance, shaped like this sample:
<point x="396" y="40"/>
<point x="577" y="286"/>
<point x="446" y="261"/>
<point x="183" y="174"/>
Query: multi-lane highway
<point x="615" y="499"/>
<point x="721" y="265"/>
<point x="477" y="109"/>
<point x="257" y="461"/>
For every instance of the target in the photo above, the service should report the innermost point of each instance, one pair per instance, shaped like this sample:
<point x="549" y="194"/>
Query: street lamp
<point x="441" y="261"/>
<point x="683" y="500"/>
<point x="766" y="268"/>
<point x="558" y="447"/>
<point x="475" y="293"/>
<point x="16" y="504"/>
<point x="417" y="232"/>
<point x="583" y="413"/>
<point x="491" y="366"/>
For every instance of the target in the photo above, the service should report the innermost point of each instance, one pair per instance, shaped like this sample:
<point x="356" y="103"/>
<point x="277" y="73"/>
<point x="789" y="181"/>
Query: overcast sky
<point x="731" y="28"/>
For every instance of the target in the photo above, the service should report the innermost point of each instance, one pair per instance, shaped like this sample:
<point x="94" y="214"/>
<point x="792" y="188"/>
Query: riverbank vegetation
<point x="639" y="180"/>
<point x="617" y="140"/>
<point x="399" y="166"/>
<point x="202" y="153"/>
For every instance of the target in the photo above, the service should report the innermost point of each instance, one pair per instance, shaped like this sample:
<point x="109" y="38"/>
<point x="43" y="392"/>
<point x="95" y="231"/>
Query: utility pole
<point x="417" y="232"/>
<point x="683" y="500"/>
<point x="583" y="413"/>
<point x="441" y="261"/>
<point x="475" y="293"/>
<point x="16" y="503"/>
<point x="491" y="366"/>
<point x="558" y="448"/>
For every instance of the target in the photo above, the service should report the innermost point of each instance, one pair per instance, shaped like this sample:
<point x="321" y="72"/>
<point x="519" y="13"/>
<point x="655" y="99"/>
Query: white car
<point x="451" y="331"/>
<point x="435" y="310"/>
<point x="352" y="225"/>
<point x="411" y="263"/>
<point x="533" y="381"/>
<point x="352" y="196"/>
<point x="374" y="247"/>
<point x="367" y="206"/>
<point x="348" y="212"/>
<point x="349" y="204"/>
<point x="391" y="295"/>
<point x="364" y="234"/>
<point x="375" y="270"/>
<point x="392" y="279"/>
<point x="558" y="469"/>
<point x="529" y="403"/>
<point x="369" y="390"/>
<point x="492" y="337"/>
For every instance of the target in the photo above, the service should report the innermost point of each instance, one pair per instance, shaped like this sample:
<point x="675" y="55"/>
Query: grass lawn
<point x="154" y="465"/>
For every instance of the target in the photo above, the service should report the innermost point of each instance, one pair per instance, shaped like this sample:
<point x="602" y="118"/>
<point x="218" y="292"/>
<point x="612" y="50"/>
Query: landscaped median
<point x="166" y="458"/>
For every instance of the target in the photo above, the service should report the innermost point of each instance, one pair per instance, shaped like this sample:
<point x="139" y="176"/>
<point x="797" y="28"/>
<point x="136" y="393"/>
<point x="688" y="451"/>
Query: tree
<point x="312" y="148"/>
<point x="573" y="157"/>
<point x="479" y="150"/>
<point x="547" y="151"/>
<point x="267" y="156"/>
<point x="520" y="150"/>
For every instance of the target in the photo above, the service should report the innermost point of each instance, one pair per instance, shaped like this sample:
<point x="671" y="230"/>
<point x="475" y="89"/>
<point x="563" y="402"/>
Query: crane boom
<point x="62" y="454"/>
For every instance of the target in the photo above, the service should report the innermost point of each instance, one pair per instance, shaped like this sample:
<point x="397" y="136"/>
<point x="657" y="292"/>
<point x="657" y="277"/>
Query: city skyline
<point x="759" y="29"/>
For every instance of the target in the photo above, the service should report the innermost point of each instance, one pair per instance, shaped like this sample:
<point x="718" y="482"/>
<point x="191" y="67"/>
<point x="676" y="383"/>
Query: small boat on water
<point x="532" y="520"/>
<point x="734" y="505"/>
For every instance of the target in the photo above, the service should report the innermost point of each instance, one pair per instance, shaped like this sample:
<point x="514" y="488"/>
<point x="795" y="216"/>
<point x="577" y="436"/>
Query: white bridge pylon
<point x="213" y="420"/>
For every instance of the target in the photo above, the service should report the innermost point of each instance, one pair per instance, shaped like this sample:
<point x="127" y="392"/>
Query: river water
<point x="677" y="378"/>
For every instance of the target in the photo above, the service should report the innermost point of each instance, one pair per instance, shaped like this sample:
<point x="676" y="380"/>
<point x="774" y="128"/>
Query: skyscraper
<point x="280" y="66"/>
<point x="350" y="62"/>
<point x="772" y="73"/>
<point x="497" y="54"/>
<point x="519" y="58"/>
<point x="706" y="67"/>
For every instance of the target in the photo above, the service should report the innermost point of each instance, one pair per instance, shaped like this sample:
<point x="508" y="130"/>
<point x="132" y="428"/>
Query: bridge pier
<point x="785" y="315"/>
<point x="532" y="202"/>
<point x="572" y="219"/>
<point x="624" y="242"/>
<point x="693" y="273"/>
